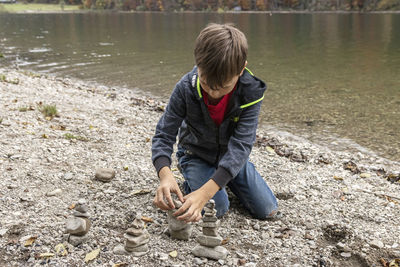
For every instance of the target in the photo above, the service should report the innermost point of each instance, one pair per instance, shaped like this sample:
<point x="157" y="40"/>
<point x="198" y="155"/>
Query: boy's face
<point x="219" y="92"/>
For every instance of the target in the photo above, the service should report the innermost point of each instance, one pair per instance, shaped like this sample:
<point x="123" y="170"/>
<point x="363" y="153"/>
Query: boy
<point x="215" y="107"/>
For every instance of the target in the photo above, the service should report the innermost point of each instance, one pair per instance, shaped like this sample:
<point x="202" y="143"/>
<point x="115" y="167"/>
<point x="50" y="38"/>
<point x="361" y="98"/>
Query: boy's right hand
<point x="168" y="184"/>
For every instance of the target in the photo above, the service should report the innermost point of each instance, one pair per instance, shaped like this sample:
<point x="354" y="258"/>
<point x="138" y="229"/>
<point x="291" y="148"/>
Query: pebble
<point x="163" y="256"/>
<point x="215" y="253"/>
<point x="120" y="250"/>
<point x="197" y="261"/>
<point x="105" y="174"/>
<point x="376" y="244"/>
<point x="365" y="175"/>
<point x="77" y="240"/>
<point x="345" y="254"/>
<point x="54" y="192"/>
<point x="3" y="232"/>
<point x="68" y="176"/>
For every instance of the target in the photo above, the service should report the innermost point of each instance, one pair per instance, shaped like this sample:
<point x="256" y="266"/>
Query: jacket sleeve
<point x="167" y="128"/>
<point x="239" y="146"/>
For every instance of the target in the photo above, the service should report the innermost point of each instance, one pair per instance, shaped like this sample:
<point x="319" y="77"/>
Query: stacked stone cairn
<point x="78" y="226"/>
<point x="136" y="241"/>
<point x="210" y="241"/>
<point x="178" y="229"/>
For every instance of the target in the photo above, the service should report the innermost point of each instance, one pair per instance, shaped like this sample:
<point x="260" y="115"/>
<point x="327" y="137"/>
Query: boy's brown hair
<point x="220" y="53"/>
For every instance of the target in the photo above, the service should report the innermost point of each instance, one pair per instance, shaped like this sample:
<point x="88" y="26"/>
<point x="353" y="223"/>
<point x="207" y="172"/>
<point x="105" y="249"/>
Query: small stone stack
<point x="178" y="229"/>
<point x="136" y="240"/>
<point x="210" y="241"/>
<point x="78" y="226"/>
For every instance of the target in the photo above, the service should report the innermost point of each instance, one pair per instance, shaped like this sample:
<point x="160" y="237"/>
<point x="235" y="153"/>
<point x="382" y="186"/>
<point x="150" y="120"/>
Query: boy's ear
<point x="245" y="64"/>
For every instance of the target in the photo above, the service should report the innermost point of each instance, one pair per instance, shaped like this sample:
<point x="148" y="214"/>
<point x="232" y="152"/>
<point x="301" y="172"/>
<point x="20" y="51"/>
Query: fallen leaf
<point x="147" y="219"/>
<point x="337" y="178"/>
<point x="142" y="192"/>
<point x="92" y="255"/>
<point x="45" y="136"/>
<point x="122" y="264"/>
<point x="174" y="169"/>
<point x="72" y="206"/>
<point x="365" y="175"/>
<point x="173" y="254"/>
<point x="58" y="127"/>
<point x="61" y="250"/>
<point x="46" y="255"/>
<point x="270" y="150"/>
<point x="126" y="168"/>
<point x="147" y="139"/>
<point x="394" y="263"/>
<point x="30" y="241"/>
<point x="225" y="241"/>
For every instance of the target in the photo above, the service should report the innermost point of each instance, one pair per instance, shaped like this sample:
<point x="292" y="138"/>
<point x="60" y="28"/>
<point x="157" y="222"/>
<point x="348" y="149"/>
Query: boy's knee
<point x="266" y="213"/>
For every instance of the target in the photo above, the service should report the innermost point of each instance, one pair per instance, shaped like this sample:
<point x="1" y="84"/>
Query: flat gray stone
<point x="134" y="231"/>
<point x="77" y="226"/>
<point x="173" y="223"/>
<point x="209" y="241"/>
<point x="77" y="240"/>
<point x="120" y="250"/>
<point x="183" y="234"/>
<point x="80" y="214"/>
<point x="134" y="241"/>
<point x="345" y="254"/>
<point x="215" y="224"/>
<point x="210" y="211"/>
<point x="143" y="248"/>
<point x="210" y="204"/>
<point x="210" y="231"/>
<point x="209" y="219"/>
<point x="216" y="253"/>
<point x="81" y="208"/>
<point x="105" y="174"/>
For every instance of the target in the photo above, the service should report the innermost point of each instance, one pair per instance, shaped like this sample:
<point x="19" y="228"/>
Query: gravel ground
<point x="332" y="216"/>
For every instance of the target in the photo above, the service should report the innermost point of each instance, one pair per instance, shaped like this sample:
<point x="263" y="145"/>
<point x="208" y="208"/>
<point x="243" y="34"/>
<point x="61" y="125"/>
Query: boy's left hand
<point x="195" y="201"/>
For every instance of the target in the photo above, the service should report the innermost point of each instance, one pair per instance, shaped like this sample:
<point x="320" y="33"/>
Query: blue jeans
<point x="251" y="189"/>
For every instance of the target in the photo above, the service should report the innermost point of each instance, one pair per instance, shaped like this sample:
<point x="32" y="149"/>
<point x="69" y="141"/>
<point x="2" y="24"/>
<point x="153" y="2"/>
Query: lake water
<point x="333" y="78"/>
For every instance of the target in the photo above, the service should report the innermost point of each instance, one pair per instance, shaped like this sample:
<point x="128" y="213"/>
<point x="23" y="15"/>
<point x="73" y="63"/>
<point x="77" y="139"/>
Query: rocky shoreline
<point x="339" y="208"/>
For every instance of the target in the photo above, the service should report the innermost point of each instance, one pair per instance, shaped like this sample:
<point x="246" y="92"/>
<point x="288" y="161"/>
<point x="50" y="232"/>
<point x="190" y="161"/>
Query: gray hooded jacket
<point x="228" y="146"/>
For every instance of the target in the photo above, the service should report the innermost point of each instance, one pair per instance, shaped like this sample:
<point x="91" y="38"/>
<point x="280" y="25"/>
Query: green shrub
<point x="70" y="136"/>
<point x="49" y="111"/>
<point x="3" y="78"/>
